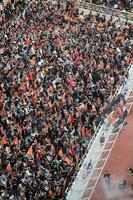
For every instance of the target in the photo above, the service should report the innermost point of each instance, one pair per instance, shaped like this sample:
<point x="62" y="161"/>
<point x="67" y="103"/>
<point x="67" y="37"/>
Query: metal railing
<point x="106" y="10"/>
<point x="85" y="4"/>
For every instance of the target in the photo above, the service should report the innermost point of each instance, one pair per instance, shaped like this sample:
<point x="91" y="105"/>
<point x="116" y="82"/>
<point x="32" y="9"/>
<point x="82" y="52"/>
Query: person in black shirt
<point x="15" y="190"/>
<point x="107" y="178"/>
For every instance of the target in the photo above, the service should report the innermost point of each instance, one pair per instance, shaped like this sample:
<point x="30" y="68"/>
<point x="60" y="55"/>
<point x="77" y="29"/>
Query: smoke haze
<point x="114" y="193"/>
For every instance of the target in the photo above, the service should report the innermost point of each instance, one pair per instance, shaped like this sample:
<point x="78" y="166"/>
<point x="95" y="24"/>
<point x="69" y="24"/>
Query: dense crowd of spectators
<point x="58" y="71"/>
<point x="10" y="9"/>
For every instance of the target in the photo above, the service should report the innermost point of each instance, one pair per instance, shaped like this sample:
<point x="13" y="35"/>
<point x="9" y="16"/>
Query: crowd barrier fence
<point x="85" y="4"/>
<point x="106" y="10"/>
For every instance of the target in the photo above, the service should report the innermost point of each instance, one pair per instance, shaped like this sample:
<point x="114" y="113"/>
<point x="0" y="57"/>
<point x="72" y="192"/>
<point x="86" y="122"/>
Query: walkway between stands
<point x="119" y="162"/>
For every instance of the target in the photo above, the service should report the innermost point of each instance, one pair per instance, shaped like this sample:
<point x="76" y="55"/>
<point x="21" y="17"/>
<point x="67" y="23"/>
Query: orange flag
<point x="15" y="141"/>
<point x="9" y="168"/>
<point x="63" y="97"/>
<point x="30" y="152"/>
<point x="4" y="140"/>
<point x="68" y="161"/>
<point x="71" y="119"/>
<point x="51" y="89"/>
<point x="52" y="148"/>
<point x="60" y="153"/>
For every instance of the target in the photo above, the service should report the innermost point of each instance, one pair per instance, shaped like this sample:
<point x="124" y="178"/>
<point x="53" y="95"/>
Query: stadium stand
<point x="58" y="72"/>
<point x="11" y="9"/>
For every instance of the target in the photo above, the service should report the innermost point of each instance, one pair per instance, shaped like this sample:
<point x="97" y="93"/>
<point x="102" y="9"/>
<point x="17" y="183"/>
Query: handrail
<point x="84" y="4"/>
<point x="106" y="10"/>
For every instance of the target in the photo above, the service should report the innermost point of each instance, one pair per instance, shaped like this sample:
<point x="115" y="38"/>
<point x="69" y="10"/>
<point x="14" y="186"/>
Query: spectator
<point x="10" y="9"/>
<point x="107" y="178"/>
<point x="58" y="71"/>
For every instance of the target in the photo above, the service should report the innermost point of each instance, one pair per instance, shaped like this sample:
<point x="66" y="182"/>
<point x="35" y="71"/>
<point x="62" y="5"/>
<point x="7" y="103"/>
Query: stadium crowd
<point x="58" y="71"/>
<point x="12" y="8"/>
<point x="124" y="5"/>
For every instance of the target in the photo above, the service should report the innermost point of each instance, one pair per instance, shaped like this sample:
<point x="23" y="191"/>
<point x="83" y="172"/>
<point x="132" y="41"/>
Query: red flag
<point x="60" y="153"/>
<point x="30" y="152"/>
<point x="4" y="140"/>
<point x="87" y="133"/>
<point x="68" y="161"/>
<point x="73" y="151"/>
<point x="15" y="141"/>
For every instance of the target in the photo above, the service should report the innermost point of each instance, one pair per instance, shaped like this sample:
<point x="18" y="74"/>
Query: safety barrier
<point x="105" y="10"/>
<point x="85" y="4"/>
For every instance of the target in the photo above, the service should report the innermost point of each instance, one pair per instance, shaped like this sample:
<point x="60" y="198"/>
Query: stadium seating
<point x="58" y="72"/>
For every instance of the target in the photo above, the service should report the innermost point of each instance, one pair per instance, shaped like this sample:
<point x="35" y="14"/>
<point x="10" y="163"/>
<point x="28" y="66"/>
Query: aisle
<point x="119" y="161"/>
